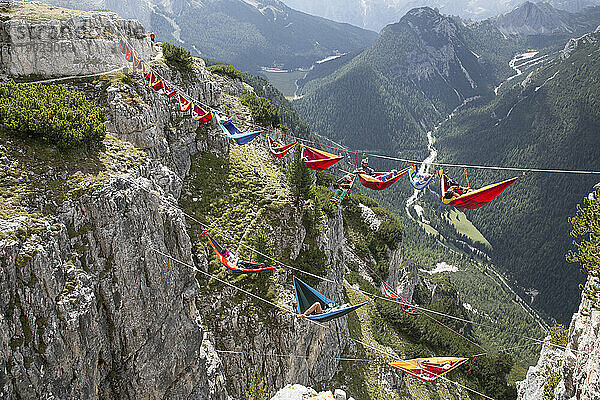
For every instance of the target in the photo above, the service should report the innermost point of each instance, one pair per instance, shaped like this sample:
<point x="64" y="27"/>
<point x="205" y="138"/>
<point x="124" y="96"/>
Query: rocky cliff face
<point x="576" y="368"/>
<point x="438" y="54"/>
<point x="87" y="308"/>
<point x="90" y="312"/>
<point x="44" y="41"/>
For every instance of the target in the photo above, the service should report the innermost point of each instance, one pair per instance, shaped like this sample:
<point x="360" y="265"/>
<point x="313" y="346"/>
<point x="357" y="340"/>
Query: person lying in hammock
<point x="342" y="184"/>
<point x="387" y="176"/>
<point x="454" y="191"/>
<point x="232" y="258"/>
<point x="318" y="309"/>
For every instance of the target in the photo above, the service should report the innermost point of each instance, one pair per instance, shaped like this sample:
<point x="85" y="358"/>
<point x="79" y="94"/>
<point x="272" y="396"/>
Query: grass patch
<point x="463" y="226"/>
<point x="40" y="13"/>
<point x="429" y="229"/>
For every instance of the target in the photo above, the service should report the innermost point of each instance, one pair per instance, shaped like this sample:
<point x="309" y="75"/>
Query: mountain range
<point x="548" y="120"/>
<point x="375" y="14"/>
<point x="428" y="65"/>
<point x="248" y="34"/>
<point x="544" y="19"/>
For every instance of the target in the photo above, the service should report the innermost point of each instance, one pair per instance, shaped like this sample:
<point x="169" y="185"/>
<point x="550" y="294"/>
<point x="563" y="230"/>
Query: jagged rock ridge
<point x="376" y="14"/>
<point x="543" y="19"/>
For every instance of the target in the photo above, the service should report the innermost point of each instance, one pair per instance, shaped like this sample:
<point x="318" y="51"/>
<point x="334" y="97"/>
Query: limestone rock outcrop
<point x="67" y="44"/>
<point x="577" y="366"/>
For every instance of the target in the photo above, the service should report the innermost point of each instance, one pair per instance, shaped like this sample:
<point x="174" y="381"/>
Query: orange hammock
<point x="428" y="369"/>
<point x="318" y="159"/>
<point x="278" y="150"/>
<point x="373" y="182"/>
<point x="239" y="266"/>
<point x="388" y="291"/>
<point x="477" y="198"/>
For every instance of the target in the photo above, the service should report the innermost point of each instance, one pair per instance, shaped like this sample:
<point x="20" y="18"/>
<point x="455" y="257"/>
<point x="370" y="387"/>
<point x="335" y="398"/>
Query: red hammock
<point x="477" y="198"/>
<point x="240" y="266"/>
<point x="168" y="91"/>
<point x="199" y="114"/>
<point x="184" y="104"/>
<point x="158" y="85"/>
<point x="318" y="159"/>
<point x="277" y="150"/>
<point x="151" y="78"/>
<point x="373" y="182"/>
<point x="428" y="369"/>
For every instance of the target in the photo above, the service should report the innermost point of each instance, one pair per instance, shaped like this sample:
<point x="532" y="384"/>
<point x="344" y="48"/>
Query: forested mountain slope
<point x="416" y="72"/>
<point x="247" y="34"/>
<point x="549" y="121"/>
<point x="495" y="40"/>
<point x="402" y="93"/>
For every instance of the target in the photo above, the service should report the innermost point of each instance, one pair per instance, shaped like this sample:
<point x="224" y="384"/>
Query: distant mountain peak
<point x="535" y="19"/>
<point x="427" y="23"/>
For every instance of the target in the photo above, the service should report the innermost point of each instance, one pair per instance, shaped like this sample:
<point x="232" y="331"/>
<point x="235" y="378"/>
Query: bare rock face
<point x="574" y="43"/>
<point x="533" y="385"/>
<point x="299" y="392"/>
<point x="75" y="45"/>
<point x="535" y="19"/>
<point x="578" y="365"/>
<point x="268" y="331"/>
<point x="151" y="122"/>
<point x="581" y="365"/>
<point x="100" y="315"/>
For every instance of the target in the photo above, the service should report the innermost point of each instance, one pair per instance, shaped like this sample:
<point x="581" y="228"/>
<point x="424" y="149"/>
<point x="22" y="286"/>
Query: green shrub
<point x="586" y="230"/>
<point x="552" y="381"/>
<point x="52" y="114"/>
<point x="178" y="57"/>
<point x="225" y="69"/>
<point x="261" y="243"/>
<point x="258" y="390"/>
<point x="559" y="335"/>
<point x="390" y="232"/>
<point x="262" y="110"/>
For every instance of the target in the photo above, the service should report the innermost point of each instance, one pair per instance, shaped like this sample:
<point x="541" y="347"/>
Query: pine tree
<point x="299" y="176"/>
<point x="586" y="224"/>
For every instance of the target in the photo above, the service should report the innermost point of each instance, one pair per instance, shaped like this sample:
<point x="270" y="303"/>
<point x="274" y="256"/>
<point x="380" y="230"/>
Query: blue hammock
<point x="306" y="296"/>
<point x="417" y="180"/>
<point x="232" y="132"/>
